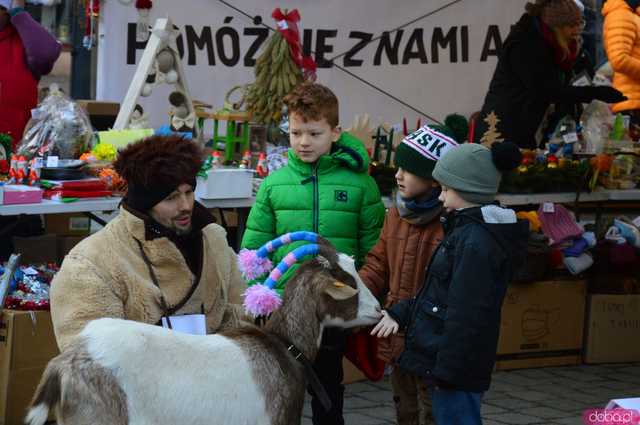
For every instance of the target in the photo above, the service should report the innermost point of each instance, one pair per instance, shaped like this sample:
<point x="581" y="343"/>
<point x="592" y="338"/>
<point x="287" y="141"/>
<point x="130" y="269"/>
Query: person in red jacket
<point x="28" y="52"/>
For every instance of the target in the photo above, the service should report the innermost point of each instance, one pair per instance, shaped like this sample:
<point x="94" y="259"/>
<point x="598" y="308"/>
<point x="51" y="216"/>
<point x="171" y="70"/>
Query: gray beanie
<point x="469" y="170"/>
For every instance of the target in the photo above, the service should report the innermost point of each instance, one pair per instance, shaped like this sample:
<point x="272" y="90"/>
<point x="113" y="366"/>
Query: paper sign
<point x="52" y="161"/>
<point x="121" y="138"/>
<point x="570" y="138"/>
<point x="194" y="324"/>
<point x="548" y="207"/>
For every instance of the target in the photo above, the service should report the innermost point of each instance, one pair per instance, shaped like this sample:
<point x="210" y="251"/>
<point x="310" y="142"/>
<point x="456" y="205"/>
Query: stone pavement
<point x="549" y="396"/>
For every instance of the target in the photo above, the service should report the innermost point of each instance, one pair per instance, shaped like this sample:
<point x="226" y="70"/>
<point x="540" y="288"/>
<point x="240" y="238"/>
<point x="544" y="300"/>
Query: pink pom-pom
<point x="260" y="300"/>
<point x="251" y="266"/>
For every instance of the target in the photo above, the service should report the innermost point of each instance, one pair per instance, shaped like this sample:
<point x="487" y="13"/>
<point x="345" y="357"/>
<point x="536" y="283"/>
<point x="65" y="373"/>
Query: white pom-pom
<point x="147" y="89"/>
<point x="171" y="77"/>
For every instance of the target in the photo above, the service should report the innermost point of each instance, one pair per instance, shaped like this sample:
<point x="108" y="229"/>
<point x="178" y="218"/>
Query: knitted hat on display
<point x="154" y="167"/>
<point x="557" y="13"/>
<point x="558" y="225"/>
<point x="420" y="150"/>
<point x="6" y="4"/>
<point x="474" y="171"/>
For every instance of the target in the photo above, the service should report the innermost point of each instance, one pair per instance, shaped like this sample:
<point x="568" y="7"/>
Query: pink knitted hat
<point x="558" y="225"/>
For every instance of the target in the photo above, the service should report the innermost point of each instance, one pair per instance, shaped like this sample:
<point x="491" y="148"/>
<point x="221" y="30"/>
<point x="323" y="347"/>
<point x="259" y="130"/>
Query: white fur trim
<point x="185" y="379"/>
<point x="493" y="214"/>
<point x="37" y="415"/>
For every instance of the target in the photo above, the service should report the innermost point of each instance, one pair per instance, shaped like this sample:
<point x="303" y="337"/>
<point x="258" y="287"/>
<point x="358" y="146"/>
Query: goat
<point x="121" y="372"/>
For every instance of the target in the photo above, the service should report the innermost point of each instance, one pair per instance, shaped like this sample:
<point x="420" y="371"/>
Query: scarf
<point x="419" y="212"/>
<point x="564" y="62"/>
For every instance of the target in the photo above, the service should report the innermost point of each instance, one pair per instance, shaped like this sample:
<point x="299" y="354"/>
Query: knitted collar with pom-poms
<point x="262" y="299"/>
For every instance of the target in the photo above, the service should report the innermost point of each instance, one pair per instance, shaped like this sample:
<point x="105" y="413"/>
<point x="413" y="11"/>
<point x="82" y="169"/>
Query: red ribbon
<point x="287" y="25"/>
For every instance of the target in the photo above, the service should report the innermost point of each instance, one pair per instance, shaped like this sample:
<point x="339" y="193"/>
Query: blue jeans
<point x="452" y="407"/>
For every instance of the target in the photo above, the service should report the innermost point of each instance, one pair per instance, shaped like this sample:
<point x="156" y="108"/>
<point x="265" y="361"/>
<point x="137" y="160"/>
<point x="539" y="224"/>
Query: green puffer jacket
<point x="335" y="198"/>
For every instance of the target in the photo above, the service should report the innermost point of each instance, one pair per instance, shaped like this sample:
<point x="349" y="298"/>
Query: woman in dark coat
<point x="537" y="66"/>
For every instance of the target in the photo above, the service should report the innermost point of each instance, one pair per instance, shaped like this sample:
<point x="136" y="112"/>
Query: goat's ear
<point x="339" y="291"/>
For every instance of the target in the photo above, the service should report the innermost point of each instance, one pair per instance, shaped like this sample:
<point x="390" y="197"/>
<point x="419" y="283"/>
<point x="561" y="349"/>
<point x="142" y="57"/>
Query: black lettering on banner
<point x="440" y="40"/>
<point x="389" y="48"/>
<point x="261" y="36"/>
<point x="494" y="39"/>
<point x="365" y="38"/>
<point x="464" y="43"/>
<point x="307" y="41"/>
<point x="180" y="46"/>
<point x="202" y="41"/>
<point x="322" y="47"/>
<point x="417" y="39"/>
<point x="232" y="34"/>
<point x="133" y="44"/>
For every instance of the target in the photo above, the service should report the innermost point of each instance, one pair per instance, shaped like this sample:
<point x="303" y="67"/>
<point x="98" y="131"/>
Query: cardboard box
<point x="36" y="249"/>
<point x="27" y="343"/>
<point x="21" y="194"/>
<point x="101" y="114"/>
<point x="613" y="326"/>
<point x="66" y="244"/>
<point x="75" y="224"/>
<point x="542" y="325"/>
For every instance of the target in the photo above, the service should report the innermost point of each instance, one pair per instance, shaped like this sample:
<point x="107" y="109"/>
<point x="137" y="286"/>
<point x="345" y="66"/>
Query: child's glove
<point x="385" y="327"/>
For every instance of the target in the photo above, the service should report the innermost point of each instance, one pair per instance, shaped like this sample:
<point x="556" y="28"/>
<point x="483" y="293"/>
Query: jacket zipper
<point x="316" y="200"/>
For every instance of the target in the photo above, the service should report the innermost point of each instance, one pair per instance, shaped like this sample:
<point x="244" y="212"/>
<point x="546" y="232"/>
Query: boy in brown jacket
<point x="395" y="268"/>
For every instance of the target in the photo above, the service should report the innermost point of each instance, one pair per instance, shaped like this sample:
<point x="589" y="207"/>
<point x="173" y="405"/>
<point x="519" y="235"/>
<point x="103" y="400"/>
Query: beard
<point x="182" y="231"/>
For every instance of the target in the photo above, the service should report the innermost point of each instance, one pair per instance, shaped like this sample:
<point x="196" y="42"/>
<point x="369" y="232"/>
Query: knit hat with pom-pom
<point x="420" y="150"/>
<point x="474" y="171"/>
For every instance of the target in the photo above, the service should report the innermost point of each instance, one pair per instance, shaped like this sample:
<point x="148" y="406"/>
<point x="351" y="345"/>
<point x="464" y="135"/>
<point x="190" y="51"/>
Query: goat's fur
<point x="123" y="372"/>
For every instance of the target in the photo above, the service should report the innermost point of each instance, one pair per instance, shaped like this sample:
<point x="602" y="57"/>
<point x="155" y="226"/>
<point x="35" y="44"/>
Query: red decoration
<point x="144" y="4"/>
<point x="288" y="27"/>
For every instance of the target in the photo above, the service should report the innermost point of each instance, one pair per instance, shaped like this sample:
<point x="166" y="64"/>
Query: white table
<point x="104" y="204"/>
<point x="53" y="207"/>
<point x="90" y="206"/>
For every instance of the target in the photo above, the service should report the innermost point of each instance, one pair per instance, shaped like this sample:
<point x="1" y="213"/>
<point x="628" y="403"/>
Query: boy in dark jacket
<point x="452" y="325"/>
<point x="325" y="189"/>
<point x="395" y="268"/>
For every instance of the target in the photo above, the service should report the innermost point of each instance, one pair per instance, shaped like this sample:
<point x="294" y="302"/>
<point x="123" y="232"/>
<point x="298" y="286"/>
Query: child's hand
<point x="385" y="327"/>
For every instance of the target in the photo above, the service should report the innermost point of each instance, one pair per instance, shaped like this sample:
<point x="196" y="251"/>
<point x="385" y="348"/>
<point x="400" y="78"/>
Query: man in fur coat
<point x="161" y="256"/>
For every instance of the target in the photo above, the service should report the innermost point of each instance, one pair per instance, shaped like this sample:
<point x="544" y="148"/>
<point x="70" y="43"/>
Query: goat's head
<point x="329" y="280"/>
<point x="331" y="284"/>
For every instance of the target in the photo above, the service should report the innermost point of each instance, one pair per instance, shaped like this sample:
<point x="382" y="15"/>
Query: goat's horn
<point x="285" y="240"/>
<point x="290" y="259"/>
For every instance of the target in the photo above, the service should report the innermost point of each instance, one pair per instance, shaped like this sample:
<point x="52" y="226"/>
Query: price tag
<point x="52" y="161"/>
<point x="30" y="271"/>
<point x="548" y="207"/>
<point x="570" y="137"/>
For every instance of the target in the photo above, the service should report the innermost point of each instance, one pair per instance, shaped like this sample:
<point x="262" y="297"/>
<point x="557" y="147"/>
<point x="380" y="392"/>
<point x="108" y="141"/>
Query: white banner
<point x="437" y="65"/>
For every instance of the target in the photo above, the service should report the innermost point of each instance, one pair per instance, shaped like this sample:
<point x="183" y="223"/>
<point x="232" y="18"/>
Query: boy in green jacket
<point x="325" y="189"/>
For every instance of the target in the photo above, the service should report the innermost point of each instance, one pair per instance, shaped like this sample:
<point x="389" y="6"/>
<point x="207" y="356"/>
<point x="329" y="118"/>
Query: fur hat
<point x="556" y="13"/>
<point x="154" y="167"/>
